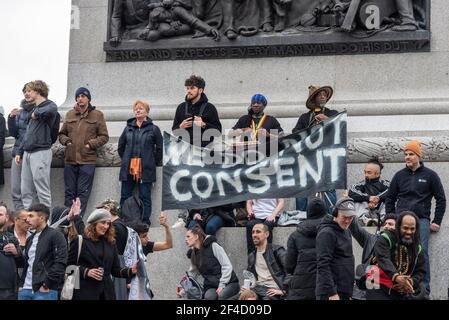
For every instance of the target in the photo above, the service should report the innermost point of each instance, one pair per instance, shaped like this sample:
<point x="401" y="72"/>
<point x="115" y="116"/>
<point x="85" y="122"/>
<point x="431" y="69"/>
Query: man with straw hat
<point x="318" y="98"/>
<point x="316" y="103"/>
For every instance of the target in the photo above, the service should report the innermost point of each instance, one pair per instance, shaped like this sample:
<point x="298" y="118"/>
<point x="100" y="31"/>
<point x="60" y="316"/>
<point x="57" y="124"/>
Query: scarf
<point x="140" y="285"/>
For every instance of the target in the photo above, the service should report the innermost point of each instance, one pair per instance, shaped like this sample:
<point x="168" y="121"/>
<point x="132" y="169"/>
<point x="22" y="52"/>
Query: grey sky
<point x="34" y="37"/>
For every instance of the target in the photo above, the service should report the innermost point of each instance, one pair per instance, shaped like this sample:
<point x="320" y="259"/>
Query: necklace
<point x="255" y="128"/>
<point x="403" y="269"/>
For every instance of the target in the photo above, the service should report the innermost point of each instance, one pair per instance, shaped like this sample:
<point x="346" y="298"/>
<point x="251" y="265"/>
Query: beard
<point x="192" y="97"/>
<point x="407" y="241"/>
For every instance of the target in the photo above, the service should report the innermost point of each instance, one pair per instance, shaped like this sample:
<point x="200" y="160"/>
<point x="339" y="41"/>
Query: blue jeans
<point x="144" y="195"/>
<point x="28" y="294"/>
<point x="329" y="198"/>
<point x="424" y="231"/>
<point x="212" y="226"/>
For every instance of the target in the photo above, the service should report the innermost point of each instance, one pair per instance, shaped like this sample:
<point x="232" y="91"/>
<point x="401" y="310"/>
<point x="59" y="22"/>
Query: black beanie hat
<point x="316" y="209"/>
<point x="84" y="91"/>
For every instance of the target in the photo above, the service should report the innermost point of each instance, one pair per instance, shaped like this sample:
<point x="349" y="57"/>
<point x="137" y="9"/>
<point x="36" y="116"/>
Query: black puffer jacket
<point x="145" y="143"/>
<point x="335" y="260"/>
<point x="275" y="258"/>
<point x="301" y="261"/>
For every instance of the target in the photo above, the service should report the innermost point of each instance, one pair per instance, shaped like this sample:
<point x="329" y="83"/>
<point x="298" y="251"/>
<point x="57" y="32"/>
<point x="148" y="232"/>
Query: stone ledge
<point x="288" y="109"/>
<point x="389" y="150"/>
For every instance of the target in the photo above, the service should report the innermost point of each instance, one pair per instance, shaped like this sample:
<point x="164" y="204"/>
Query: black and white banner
<point x="309" y="161"/>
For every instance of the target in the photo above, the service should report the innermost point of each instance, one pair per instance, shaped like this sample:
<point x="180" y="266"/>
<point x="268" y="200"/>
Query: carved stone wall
<point x="215" y="29"/>
<point x="435" y="149"/>
<point x="388" y="150"/>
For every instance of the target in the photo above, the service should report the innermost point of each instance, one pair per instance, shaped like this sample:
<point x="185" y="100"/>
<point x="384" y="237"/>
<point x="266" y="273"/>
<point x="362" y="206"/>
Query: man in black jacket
<point x="413" y="188"/>
<point x="400" y="266"/>
<point x="258" y="126"/>
<point x="196" y="115"/>
<point x="34" y="152"/>
<point x="367" y="241"/>
<point x="318" y="112"/>
<point x="9" y="256"/>
<point x="267" y="263"/>
<point x="335" y="260"/>
<point x="45" y="258"/>
<point x="369" y="195"/>
<point x="318" y="98"/>
<point x="301" y="254"/>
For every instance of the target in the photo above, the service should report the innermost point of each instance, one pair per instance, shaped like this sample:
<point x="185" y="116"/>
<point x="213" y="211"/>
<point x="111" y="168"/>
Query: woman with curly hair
<point x="98" y="259"/>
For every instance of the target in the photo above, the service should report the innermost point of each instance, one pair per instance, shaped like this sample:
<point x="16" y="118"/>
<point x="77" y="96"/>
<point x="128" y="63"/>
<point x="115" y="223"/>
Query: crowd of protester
<point x="108" y="247"/>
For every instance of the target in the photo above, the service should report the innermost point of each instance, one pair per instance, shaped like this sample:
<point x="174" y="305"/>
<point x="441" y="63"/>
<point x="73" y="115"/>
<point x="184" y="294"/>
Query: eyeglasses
<point x="22" y="219"/>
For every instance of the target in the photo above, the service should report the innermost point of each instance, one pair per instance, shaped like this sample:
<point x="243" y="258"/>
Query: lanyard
<point x="256" y="128"/>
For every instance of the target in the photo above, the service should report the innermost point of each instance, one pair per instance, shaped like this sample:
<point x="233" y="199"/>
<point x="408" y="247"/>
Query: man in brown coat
<point x="83" y="132"/>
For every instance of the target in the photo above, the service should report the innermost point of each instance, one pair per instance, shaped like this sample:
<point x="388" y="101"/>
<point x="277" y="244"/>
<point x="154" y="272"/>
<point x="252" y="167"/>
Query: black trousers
<point x="78" y="180"/>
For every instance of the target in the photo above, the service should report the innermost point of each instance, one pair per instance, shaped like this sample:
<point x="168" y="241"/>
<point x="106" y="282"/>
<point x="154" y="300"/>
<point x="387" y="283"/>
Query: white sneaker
<point x="179" y="223"/>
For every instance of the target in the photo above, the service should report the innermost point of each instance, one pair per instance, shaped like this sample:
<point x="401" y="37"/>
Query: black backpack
<point x="192" y="288"/>
<point x="132" y="210"/>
